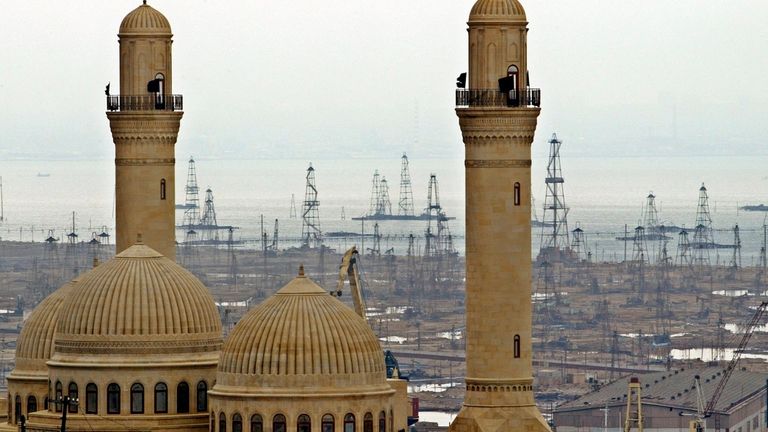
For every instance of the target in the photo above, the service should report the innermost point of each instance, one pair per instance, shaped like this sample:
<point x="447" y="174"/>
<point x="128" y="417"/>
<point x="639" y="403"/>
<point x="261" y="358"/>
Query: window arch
<point x="31" y="404"/>
<point x="161" y="398"/>
<point x="222" y="422"/>
<point x="57" y="396"/>
<point x="368" y="422"/>
<point x="278" y="423"/>
<point x="137" y="399"/>
<point x="304" y="424"/>
<point x="45" y="403"/>
<point x="202" y="396"/>
<point x="349" y="423"/>
<point x="182" y="397"/>
<point x="72" y="393"/>
<point x="257" y="423"/>
<point x="328" y="424"/>
<point x="382" y="421"/>
<point x="517" y="193"/>
<point x="517" y="346"/>
<point x="162" y="189"/>
<point x="91" y="399"/>
<point x="237" y="423"/>
<point x="113" y="399"/>
<point x="16" y="409"/>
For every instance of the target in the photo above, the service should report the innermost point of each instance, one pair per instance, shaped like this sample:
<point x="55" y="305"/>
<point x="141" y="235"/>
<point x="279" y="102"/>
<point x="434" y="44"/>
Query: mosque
<point x="136" y="343"/>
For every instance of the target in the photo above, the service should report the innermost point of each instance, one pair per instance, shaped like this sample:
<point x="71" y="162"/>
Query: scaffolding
<point x="405" y="205"/>
<point x="554" y="231"/>
<point x="310" y="215"/>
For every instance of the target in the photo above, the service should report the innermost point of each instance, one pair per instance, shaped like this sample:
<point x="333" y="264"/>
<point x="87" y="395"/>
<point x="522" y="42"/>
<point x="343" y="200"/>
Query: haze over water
<point x="603" y="194"/>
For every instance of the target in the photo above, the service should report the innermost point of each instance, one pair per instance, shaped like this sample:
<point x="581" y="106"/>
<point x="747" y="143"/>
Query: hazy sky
<point x="371" y="78"/>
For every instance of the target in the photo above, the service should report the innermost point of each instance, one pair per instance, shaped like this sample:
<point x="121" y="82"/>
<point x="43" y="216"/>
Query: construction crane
<point x="699" y="423"/>
<point x="348" y="271"/>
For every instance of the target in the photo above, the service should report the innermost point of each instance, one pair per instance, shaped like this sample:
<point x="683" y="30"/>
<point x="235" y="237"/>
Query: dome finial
<point x="145" y="1"/>
<point x="301" y="270"/>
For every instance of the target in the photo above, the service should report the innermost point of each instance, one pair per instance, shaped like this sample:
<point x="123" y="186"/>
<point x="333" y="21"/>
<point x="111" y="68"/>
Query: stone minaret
<point x="144" y="120"/>
<point x="497" y="115"/>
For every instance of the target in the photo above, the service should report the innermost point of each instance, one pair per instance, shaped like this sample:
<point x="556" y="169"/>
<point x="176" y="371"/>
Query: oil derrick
<point x="192" y="201"/>
<point x="735" y="263"/>
<point x="293" y="214"/>
<point x="638" y="264"/>
<point x="71" y="253"/>
<point x="343" y="214"/>
<point x="384" y="205"/>
<point x="190" y="256"/>
<point x="405" y="204"/>
<point x="547" y="299"/>
<point x="50" y="264"/>
<point x="414" y="289"/>
<point x="231" y="258"/>
<point x="208" y="223"/>
<point x="614" y="352"/>
<point x="579" y="244"/>
<point x="438" y="243"/>
<point x="763" y="261"/>
<point x="703" y="239"/>
<point x="376" y="249"/>
<point x="653" y="231"/>
<point x="275" y="237"/>
<point x="554" y="231"/>
<point x="374" y="208"/>
<point x="311" y="235"/>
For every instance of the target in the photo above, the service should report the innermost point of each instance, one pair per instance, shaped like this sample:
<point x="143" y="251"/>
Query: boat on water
<point x="43" y="174"/>
<point x="392" y="217"/>
<point x="758" y="207"/>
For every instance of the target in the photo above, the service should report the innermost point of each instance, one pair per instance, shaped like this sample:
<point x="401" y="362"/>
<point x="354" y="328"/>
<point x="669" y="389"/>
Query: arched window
<point x="278" y="423"/>
<point x="304" y="424"/>
<point x="368" y="422"/>
<point x="202" y="396"/>
<point x="517" y="194"/>
<point x="182" y="397"/>
<point x="222" y="422"/>
<point x="91" y="399"/>
<point x="517" y="346"/>
<point x="57" y="396"/>
<point x="382" y="421"/>
<point x="31" y="404"/>
<point x="113" y="399"/>
<point x="237" y="423"/>
<point x="349" y="423"/>
<point x="257" y="423"/>
<point x="45" y="403"/>
<point x="16" y="409"/>
<point x="213" y="422"/>
<point x="327" y="423"/>
<point x="72" y="393"/>
<point x="161" y="398"/>
<point x="137" y="399"/>
<point x="162" y="189"/>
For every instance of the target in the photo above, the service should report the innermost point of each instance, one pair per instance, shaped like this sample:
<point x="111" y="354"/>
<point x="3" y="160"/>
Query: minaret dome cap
<point x="145" y="20"/>
<point x="498" y="11"/>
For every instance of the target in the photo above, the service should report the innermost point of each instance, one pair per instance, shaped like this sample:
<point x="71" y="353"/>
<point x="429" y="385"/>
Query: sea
<point x="605" y="196"/>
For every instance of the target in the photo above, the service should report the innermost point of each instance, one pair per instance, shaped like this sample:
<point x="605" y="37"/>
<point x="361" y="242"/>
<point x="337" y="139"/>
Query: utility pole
<point x="66" y="402"/>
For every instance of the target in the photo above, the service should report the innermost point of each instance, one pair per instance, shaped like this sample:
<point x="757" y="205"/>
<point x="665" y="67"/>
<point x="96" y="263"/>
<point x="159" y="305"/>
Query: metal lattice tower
<point x="639" y="261"/>
<point x="310" y="225"/>
<point x="703" y="239"/>
<point x="554" y="232"/>
<point x="384" y="206"/>
<point x="438" y="240"/>
<point x="579" y="243"/>
<point x="192" y="203"/>
<point x="208" y="222"/>
<point x="405" y="205"/>
<point x="374" y="208"/>
<point x="736" y="256"/>
<point x="650" y="214"/>
<point x="683" y="250"/>
<point x="639" y="247"/>
<point x="293" y="213"/>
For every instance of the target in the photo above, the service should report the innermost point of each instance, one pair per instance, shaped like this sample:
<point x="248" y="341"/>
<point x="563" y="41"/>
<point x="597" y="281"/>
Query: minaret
<point x="497" y="115"/>
<point x="144" y="120"/>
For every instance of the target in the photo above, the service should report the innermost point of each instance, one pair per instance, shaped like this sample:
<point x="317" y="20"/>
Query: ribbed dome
<point x="145" y="20"/>
<point x="302" y="337"/>
<point x="498" y="11"/>
<point x="35" y="343"/>
<point x="139" y="297"/>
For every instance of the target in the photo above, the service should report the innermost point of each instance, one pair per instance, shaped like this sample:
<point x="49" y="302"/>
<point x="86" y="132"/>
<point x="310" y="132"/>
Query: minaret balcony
<point x="494" y="98"/>
<point x="151" y="102"/>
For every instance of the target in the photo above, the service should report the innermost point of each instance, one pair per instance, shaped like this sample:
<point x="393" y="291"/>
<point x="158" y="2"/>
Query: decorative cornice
<point x="498" y="163"/>
<point x="144" y="162"/>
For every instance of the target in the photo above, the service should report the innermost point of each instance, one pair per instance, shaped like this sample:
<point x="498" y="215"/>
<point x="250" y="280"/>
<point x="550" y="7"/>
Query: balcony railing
<point x="530" y="97"/>
<point x="157" y="102"/>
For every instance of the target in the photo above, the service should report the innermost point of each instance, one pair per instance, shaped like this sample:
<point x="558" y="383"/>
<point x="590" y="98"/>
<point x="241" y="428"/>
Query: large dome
<point x="34" y="346"/>
<point x="299" y="340"/>
<point x="497" y="11"/>
<point x="145" y="20"/>
<point x="138" y="301"/>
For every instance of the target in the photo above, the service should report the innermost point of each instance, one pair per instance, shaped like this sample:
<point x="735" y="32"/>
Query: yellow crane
<point x="348" y="271"/>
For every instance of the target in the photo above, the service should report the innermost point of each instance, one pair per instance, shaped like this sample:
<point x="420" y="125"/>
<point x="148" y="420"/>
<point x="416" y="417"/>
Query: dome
<point x="136" y="301"/>
<point x="145" y="20"/>
<point x="497" y="11"/>
<point x="35" y="343"/>
<point x="301" y="339"/>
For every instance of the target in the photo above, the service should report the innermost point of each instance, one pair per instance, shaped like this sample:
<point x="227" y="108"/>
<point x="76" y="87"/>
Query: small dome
<point x="137" y="298"/>
<point x="299" y="339"/>
<point x="35" y="343"/>
<point x="145" y="20"/>
<point x="497" y="11"/>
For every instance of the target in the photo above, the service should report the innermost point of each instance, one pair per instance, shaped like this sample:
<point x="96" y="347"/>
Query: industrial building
<point x="669" y="402"/>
